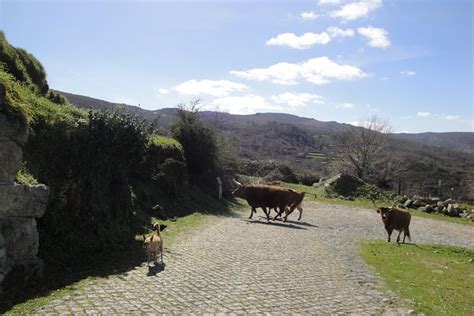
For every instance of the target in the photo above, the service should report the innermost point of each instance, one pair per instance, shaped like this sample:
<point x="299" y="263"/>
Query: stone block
<point x="21" y="200"/>
<point x="10" y="161"/>
<point x="21" y="237"/>
<point x="13" y="129"/>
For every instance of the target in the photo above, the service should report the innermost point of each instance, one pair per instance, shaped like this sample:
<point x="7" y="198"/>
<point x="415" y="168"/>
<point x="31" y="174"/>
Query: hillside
<point x="458" y="141"/>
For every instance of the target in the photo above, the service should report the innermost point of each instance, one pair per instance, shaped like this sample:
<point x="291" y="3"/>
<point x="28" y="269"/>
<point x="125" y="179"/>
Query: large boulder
<point x="344" y="184"/>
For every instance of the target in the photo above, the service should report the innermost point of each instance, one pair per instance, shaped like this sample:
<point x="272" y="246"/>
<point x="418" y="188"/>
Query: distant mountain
<point x="458" y="141"/>
<point x="97" y="104"/>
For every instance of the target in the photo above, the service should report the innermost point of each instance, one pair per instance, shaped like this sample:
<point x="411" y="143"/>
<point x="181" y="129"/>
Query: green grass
<point x="439" y="279"/>
<point x="166" y="141"/>
<point x="23" y="176"/>
<point x="30" y="107"/>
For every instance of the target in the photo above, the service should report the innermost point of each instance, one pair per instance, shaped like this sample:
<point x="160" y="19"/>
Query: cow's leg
<point x="267" y="213"/>
<point x="404" y="234"/>
<point x="398" y="237"/>
<point x="252" y="211"/>
<point x="286" y="213"/>
<point x="389" y="232"/>
<point x="301" y="212"/>
<point x="279" y="211"/>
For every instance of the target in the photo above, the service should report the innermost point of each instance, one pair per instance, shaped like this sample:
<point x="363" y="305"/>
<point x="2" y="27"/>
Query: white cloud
<point x="377" y="36"/>
<point x="345" y="105"/>
<point x="309" y="15"/>
<point x="294" y="100"/>
<point x="328" y="2"/>
<point x="304" y="41"/>
<point x="217" y="88"/>
<point x="320" y="70"/>
<point x="247" y="104"/>
<point x="453" y="117"/>
<point x="423" y="114"/>
<point x="408" y="73"/>
<point x="356" y="10"/>
<point x="335" y="32"/>
<point x="163" y="91"/>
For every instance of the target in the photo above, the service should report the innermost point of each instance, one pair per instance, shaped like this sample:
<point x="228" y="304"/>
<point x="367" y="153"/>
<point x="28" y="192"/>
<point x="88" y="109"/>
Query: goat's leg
<point x="301" y="212"/>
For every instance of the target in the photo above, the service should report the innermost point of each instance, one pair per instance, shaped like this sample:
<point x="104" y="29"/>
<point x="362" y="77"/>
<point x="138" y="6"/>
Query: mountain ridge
<point x="458" y="141"/>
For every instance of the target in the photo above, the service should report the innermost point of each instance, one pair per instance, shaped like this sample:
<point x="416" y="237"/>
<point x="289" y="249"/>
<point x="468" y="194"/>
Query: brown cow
<point x="296" y="201"/>
<point x="395" y="218"/>
<point x="265" y="197"/>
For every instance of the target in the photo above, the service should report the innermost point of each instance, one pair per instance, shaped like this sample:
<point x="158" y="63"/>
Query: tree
<point x="361" y="148"/>
<point x="199" y="144"/>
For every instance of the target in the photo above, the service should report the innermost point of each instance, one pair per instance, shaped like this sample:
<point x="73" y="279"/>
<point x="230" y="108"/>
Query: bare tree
<point x="361" y="148"/>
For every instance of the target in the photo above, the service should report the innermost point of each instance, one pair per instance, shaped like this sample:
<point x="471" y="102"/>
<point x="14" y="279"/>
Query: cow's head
<point x="383" y="211"/>
<point x="239" y="191"/>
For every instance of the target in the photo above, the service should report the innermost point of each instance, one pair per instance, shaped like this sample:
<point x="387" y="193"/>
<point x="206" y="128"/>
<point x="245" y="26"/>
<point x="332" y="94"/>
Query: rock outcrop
<point x="20" y="205"/>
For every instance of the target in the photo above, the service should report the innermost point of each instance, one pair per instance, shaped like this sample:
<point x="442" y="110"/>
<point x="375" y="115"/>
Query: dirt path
<point x="233" y="264"/>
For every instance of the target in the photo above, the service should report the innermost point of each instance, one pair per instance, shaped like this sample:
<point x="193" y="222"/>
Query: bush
<point x="163" y="169"/>
<point x="88" y="169"/>
<point x="199" y="145"/>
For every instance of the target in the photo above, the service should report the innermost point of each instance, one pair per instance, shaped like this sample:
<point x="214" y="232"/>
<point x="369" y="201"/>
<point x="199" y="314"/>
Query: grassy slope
<point x="439" y="279"/>
<point x="27" y="105"/>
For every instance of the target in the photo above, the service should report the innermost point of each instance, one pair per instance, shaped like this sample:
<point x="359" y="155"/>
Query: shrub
<point x="199" y="145"/>
<point x="88" y="169"/>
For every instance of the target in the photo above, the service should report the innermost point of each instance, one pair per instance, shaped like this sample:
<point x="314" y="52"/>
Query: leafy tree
<point x="199" y="144"/>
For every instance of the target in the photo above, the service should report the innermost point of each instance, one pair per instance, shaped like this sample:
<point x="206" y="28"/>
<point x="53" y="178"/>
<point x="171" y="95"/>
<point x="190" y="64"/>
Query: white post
<point x="219" y="187"/>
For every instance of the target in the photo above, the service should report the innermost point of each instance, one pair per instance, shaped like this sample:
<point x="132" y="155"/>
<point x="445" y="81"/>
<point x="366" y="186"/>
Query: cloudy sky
<point x="407" y="61"/>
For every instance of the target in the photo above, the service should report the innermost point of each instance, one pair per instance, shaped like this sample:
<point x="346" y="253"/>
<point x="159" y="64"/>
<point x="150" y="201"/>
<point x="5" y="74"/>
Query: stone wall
<point x="20" y="205"/>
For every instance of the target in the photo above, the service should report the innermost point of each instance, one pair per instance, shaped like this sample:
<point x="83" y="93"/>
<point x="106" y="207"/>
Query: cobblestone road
<point x="235" y="265"/>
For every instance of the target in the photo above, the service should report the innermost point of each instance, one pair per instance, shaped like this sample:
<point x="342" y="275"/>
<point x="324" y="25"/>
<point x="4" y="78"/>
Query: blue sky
<point x="408" y="61"/>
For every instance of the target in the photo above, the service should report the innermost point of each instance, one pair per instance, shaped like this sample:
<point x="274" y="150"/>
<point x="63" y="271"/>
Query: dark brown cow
<point x="265" y="197"/>
<point x="395" y="218"/>
<point x="296" y="201"/>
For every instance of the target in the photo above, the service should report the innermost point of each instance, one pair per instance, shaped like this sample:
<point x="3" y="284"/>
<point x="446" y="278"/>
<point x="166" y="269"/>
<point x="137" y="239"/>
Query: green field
<point x="439" y="279"/>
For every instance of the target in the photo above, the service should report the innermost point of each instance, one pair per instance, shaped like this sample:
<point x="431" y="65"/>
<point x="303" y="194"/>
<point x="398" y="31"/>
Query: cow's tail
<point x="407" y="233"/>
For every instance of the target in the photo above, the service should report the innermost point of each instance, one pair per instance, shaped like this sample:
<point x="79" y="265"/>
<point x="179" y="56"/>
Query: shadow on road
<point x="279" y="224"/>
<point x="298" y="223"/>
<point x="156" y="268"/>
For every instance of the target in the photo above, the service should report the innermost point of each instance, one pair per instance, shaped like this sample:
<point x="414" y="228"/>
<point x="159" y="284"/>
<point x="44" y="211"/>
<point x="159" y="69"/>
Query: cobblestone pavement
<point x="235" y="265"/>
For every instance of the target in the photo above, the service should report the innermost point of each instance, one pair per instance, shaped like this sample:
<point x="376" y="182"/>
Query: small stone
<point x="408" y="203"/>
